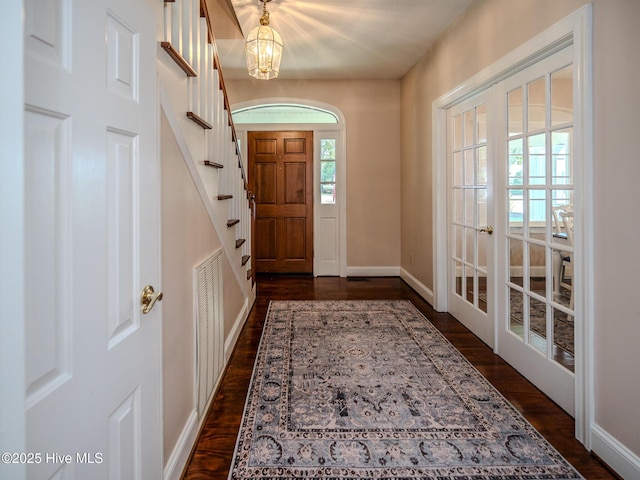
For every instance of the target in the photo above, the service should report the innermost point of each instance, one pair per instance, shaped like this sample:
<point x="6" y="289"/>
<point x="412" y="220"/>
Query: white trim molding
<point x="182" y="449"/>
<point x="424" y="291"/>
<point x="615" y="454"/>
<point x="576" y="30"/>
<point x="373" y="271"/>
<point x="241" y="319"/>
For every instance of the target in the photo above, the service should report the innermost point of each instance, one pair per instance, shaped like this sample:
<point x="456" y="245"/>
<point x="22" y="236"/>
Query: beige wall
<point x="372" y="114"/>
<point x="188" y="237"/>
<point x="617" y="330"/>
<point x="486" y="32"/>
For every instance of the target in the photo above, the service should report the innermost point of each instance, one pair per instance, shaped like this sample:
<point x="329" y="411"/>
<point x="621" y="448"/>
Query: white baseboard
<point x="231" y="340"/>
<point x="180" y="454"/>
<point x="417" y="285"/>
<point x="373" y="271"/>
<point x="617" y="456"/>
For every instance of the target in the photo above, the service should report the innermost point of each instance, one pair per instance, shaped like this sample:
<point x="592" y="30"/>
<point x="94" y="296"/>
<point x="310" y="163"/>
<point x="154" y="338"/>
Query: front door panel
<point x="281" y="176"/>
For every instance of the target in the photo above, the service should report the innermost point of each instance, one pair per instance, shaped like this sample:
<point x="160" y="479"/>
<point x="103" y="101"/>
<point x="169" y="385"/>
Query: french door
<point x="470" y="245"/>
<point x="510" y="172"/>
<point x="535" y="172"/>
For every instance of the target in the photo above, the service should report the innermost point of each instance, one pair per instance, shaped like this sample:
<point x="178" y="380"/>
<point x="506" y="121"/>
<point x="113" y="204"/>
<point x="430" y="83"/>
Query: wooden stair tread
<point x="245" y="259"/>
<point x="240" y="242"/>
<point x="224" y="197"/>
<point x="232" y="222"/>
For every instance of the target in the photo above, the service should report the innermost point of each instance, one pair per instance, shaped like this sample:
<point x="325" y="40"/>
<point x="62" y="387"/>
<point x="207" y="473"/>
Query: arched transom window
<point x="283" y="113"/>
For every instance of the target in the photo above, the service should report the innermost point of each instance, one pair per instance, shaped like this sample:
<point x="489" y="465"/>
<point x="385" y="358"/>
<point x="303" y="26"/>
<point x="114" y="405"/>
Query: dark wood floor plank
<point x="212" y="454"/>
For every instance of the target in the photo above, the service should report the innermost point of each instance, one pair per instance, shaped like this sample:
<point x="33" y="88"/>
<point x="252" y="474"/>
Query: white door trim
<point x="574" y="29"/>
<point x="12" y="289"/>
<point x="338" y="130"/>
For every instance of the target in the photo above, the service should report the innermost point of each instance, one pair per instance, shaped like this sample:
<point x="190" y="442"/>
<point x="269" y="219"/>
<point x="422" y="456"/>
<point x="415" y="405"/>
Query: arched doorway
<point x="329" y="166"/>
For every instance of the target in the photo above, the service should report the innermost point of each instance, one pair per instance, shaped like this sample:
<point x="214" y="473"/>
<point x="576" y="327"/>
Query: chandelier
<point x="263" y="48"/>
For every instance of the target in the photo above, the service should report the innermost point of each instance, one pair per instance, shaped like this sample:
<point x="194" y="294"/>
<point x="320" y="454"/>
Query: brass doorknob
<point x="148" y="298"/>
<point x="488" y="229"/>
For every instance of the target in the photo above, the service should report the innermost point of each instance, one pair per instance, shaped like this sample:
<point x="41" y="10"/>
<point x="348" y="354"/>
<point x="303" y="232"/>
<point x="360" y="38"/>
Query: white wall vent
<point x="209" y="327"/>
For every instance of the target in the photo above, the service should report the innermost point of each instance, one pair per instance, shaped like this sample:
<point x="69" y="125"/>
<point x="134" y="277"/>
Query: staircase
<point x="211" y="140"/>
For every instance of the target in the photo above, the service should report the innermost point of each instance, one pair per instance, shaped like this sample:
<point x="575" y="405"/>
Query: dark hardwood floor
<point x="213" y="451"/>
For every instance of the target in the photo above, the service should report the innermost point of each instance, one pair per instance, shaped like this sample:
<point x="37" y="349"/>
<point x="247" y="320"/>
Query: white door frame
<point x="575" y="29"/>
<point x="337" y="130"/>
<point x="12" y="289"/>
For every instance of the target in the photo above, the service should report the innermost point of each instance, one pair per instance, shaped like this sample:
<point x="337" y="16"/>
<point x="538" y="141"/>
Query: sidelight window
<point x="327" y="170"/>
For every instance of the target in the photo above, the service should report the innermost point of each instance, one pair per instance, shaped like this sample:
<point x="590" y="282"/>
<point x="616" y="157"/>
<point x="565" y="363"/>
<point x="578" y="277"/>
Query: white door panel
<point x="470" y="213"/>
<point x="536" y="321"/>
<point x="93" y="359"/>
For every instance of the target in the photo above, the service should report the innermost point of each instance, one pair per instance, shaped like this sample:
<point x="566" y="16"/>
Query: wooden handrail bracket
<point x="179" y="59"/>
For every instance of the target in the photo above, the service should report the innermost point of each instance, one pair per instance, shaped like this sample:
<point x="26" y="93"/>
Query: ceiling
<point x="335" y="39"/>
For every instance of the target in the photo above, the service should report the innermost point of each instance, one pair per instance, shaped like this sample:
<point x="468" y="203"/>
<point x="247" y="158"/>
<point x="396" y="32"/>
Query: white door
<point x="470" y="240"/>
<point x="93" y="359"/>
<point x="535" y="184"/>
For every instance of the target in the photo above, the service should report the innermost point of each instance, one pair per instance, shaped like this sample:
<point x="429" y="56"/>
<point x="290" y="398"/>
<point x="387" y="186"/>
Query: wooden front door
<point x="281" y="176"/>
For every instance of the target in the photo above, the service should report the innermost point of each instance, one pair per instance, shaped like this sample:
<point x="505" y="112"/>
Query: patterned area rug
<point x="371" y="390"/>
